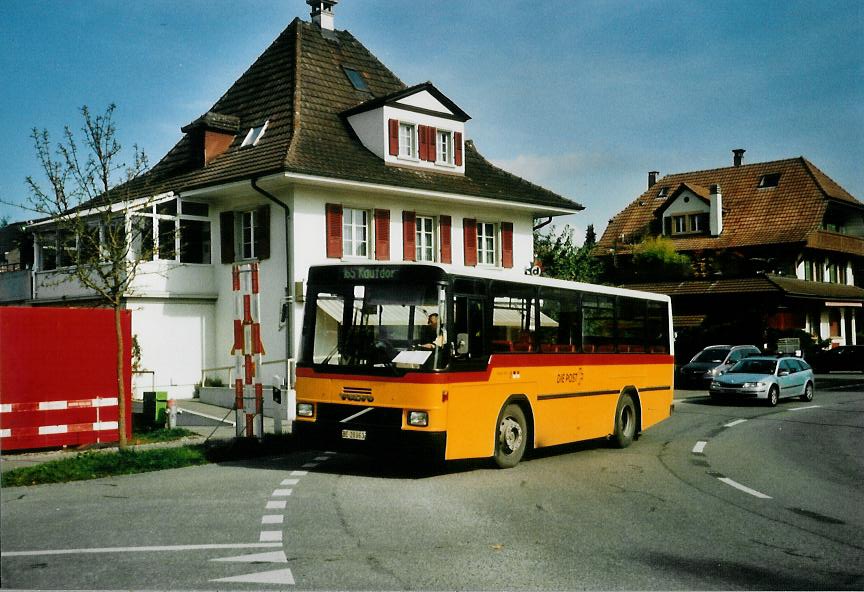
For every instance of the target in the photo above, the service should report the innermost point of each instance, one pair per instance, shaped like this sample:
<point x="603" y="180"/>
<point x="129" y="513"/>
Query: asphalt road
<point x="717" y="497"/>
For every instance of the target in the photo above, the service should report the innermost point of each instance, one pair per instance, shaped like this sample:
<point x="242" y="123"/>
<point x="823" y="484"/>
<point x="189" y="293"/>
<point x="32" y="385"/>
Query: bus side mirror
<point x="461" y="344"/>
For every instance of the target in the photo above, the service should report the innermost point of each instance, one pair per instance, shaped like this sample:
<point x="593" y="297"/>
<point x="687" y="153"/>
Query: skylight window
<point x="357" y="79"/>
<point x="254" y="135"/>
<point x="664" y="191"/>
<point x="769" y="180"/>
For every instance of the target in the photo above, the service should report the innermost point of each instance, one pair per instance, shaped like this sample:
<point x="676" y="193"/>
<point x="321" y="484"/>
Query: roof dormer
<point x="417" y="127"/>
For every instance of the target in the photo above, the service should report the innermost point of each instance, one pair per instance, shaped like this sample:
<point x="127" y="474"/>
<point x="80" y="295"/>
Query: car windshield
<point x="712" y="355"/>
<point x="379" y="326"/>
<point x="754" y="367"/>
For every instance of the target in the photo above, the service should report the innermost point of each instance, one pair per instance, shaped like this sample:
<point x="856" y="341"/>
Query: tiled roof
<point x="768" y="283"/>
<point x="298" y="84"/>
<point x="752" y="216"/>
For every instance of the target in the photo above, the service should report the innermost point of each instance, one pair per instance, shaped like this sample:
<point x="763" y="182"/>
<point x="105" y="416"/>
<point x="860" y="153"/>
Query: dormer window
<point x="252" y="138"/>
<point x="407" y="140"/>
<point x="769" y="180"/>
<point x="664" y="192"/>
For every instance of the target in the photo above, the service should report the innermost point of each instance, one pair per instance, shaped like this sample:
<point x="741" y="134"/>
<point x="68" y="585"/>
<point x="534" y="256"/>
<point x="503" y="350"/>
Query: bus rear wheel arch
<point x="512" y="434"/>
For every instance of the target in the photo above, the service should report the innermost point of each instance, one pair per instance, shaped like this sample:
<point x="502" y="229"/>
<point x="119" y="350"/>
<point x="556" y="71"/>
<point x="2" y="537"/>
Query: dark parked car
<point x="711" y="362"/>
<point x="846" y="358"/>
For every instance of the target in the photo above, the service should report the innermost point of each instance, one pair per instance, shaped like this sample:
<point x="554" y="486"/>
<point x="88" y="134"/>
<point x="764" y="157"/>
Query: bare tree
<point x="85" y="205"/>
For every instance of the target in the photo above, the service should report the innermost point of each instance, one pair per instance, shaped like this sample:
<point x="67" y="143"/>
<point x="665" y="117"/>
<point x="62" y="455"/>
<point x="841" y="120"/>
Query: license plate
<point x="353" y="435"/>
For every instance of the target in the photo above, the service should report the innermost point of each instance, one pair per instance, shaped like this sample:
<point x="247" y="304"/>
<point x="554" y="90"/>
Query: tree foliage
<point x="655" y="259"/>
<point x="85" y="204"/>
<point x="561" y="258"/>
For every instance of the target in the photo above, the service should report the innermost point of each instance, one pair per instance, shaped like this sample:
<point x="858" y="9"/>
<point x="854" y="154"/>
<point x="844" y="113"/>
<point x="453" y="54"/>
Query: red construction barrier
<point x="58" y="377"/>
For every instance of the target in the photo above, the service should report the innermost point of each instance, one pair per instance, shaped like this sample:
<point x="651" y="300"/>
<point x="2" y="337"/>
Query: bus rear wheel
<point x="511" y="436"/>
<point x="625" y="422"/>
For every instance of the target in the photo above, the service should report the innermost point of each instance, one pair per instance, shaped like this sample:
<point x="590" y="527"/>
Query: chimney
<point x="715" y="215"/>
<point x="322" y="13"/>
<point x="652" y="178"/>
<point x="738" y="156"/>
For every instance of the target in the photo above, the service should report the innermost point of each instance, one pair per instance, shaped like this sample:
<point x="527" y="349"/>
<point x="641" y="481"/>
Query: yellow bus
<point x="472" y="366"/>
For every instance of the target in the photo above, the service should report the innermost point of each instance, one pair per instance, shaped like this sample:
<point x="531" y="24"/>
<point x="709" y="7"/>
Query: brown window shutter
<point x="444" y="224"/>
<point x="382" y="235"/>
<point x="507" y="244"/>
<point x="457" y="148"/>
<point x="262" y="232"/>
<point x="394" y="137"/>
<point x="469" y="241"/>
<point x="334" y="230"/>
<point x="432" y="150"/>
<point x="409" y="241"/>
<point x="226" y="234"/>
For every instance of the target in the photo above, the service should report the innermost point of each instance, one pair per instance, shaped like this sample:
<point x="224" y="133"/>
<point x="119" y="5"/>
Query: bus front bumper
<point x="369" y="438"/>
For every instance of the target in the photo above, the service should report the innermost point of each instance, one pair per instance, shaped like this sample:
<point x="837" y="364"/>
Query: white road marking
<point x="803" y="408"/>
<point x="700" y="446"/>
<point x="744" y="488"/>
<point x="321" y="458"/>
<point x="137" y="549"/>
<point x="269" y="536"/>
<point x="272" y="519"/>
<point x="299" y="473"/>
<point x="290" y="481"/>
<point x="310" y="465"/>
<point x="734" y="423"/>
<point x="271" y="557"/>
<point x="282" y="492"/>
<point x="276" y="504"/>
<point x="278" y="576"/>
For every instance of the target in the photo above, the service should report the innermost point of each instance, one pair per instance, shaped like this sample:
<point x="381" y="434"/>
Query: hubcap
<point x="510" y="435"/>
<point x="626" y="420"/>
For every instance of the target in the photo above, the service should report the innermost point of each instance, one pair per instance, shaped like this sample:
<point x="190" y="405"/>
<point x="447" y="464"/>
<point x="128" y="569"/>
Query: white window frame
<point x="356" y="234"/>
<point x="487" y="234"/>
<point x="254" y="135"/>
<point x="425" y="238"/>
<point x="444" y="147"/>
<point x="246" y="234"/>
<point x="407" y="140"/>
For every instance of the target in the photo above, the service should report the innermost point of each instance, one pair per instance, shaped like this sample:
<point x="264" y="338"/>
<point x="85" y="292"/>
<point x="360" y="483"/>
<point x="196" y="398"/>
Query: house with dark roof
<point x="317" y="153"/>
<point x="773" y="245"/>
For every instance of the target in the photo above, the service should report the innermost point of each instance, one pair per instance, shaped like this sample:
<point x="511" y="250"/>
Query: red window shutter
<point x="507" y="244"/>
<point x="382" y="235"/>
<point x="409" y="242"/>
<point x="394" y="137"/>
<point x="334" y="230"/>
<point x="469" y="241"/>
<point x="444" y="224"/>
<point x="421" y="142"/>
<point x="457" y="148"/>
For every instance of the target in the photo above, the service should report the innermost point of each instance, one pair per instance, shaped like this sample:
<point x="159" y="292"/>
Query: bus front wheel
<point x="511" y="436"/>
<point x="625" y="422"/>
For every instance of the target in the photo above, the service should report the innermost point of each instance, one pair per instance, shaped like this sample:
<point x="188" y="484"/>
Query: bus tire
<point x="511" y="436"/>
<point x="625" y="422"/>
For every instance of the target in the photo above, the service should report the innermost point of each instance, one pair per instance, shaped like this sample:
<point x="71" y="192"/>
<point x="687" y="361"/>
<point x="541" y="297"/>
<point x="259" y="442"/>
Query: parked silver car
<point x="767" y="378"/>
<point x="711" y="362"/>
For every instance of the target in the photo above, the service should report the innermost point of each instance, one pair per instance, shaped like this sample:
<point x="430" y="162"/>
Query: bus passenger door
<point x="468" y="324"/>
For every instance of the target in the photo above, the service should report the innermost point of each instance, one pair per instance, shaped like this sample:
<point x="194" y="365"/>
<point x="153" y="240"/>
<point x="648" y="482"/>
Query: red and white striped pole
<point x="247" y="350"/>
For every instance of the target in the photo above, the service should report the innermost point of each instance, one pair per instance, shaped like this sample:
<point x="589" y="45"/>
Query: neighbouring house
<point x="318" y="153"/>
<point x="773" y="246"/>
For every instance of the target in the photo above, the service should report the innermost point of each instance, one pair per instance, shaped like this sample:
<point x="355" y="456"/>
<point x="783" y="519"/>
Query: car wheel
<point x="625" y="422"/>
<point x="511" y="436"/>
<point x="773" y="396"/>
<point x="808" y="392"/>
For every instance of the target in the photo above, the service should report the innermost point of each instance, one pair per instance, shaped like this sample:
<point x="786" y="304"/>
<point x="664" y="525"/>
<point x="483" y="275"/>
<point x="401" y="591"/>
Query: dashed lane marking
<point x="700" y="446"/>
<point x="272" y="519"/>
<point x="299" y="473"/>
<point x="744" y="488"/>
<point x="734" y="423"/>
<point x="803" y="408"/>
<point x="282" y="492"/>
<point x="290" y="481"/>
<point x="269" y="536"/>
<point x="276" y="504"/>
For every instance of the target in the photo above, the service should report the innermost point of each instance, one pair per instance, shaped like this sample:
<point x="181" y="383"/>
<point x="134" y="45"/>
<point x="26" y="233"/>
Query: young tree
<point x="561" y="258"/>
<point x="86" y="204"/>
<point x="655" y="259"/>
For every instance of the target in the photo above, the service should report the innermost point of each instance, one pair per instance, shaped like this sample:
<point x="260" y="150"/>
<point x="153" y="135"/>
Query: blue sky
<point x="582" y="96"/>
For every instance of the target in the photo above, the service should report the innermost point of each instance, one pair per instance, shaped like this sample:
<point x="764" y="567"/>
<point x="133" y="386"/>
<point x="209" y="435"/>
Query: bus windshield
<point x="378" y="325"/>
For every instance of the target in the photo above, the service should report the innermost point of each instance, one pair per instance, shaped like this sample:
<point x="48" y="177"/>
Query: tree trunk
<point x="121" y="382"/>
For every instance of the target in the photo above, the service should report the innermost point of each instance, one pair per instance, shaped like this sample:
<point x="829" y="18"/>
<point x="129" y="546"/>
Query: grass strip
<point x="96" y="464"/>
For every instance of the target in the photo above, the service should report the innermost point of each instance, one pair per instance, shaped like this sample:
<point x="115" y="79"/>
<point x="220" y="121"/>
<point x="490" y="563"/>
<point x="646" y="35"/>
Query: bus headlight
<point x="305" y="409"/>
<point x="418" y="418"/>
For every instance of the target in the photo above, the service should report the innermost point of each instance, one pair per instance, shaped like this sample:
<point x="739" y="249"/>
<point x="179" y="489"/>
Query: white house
<point x="317" y="153"/>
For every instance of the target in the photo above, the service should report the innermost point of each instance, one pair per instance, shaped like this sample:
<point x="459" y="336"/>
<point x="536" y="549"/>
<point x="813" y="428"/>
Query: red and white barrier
<point x="247" y="351"/>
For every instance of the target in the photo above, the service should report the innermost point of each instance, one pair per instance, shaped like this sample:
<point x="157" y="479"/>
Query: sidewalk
<point x="209" y="423"/>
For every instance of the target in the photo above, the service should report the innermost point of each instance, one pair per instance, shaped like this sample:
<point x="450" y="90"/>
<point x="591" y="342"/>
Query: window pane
<point x="167" y="236"/>
<point x="194" y="241"/>
<point x="168" y="208"/>
<point x="48" y="246"/>
<point x="142" y="237"/>
<point x="191" y="208"/>
<point x="247" y="235"/>
<point x="598" y="323"/>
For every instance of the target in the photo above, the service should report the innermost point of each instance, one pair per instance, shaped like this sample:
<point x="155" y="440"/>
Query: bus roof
<point x="492" y="274"/>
